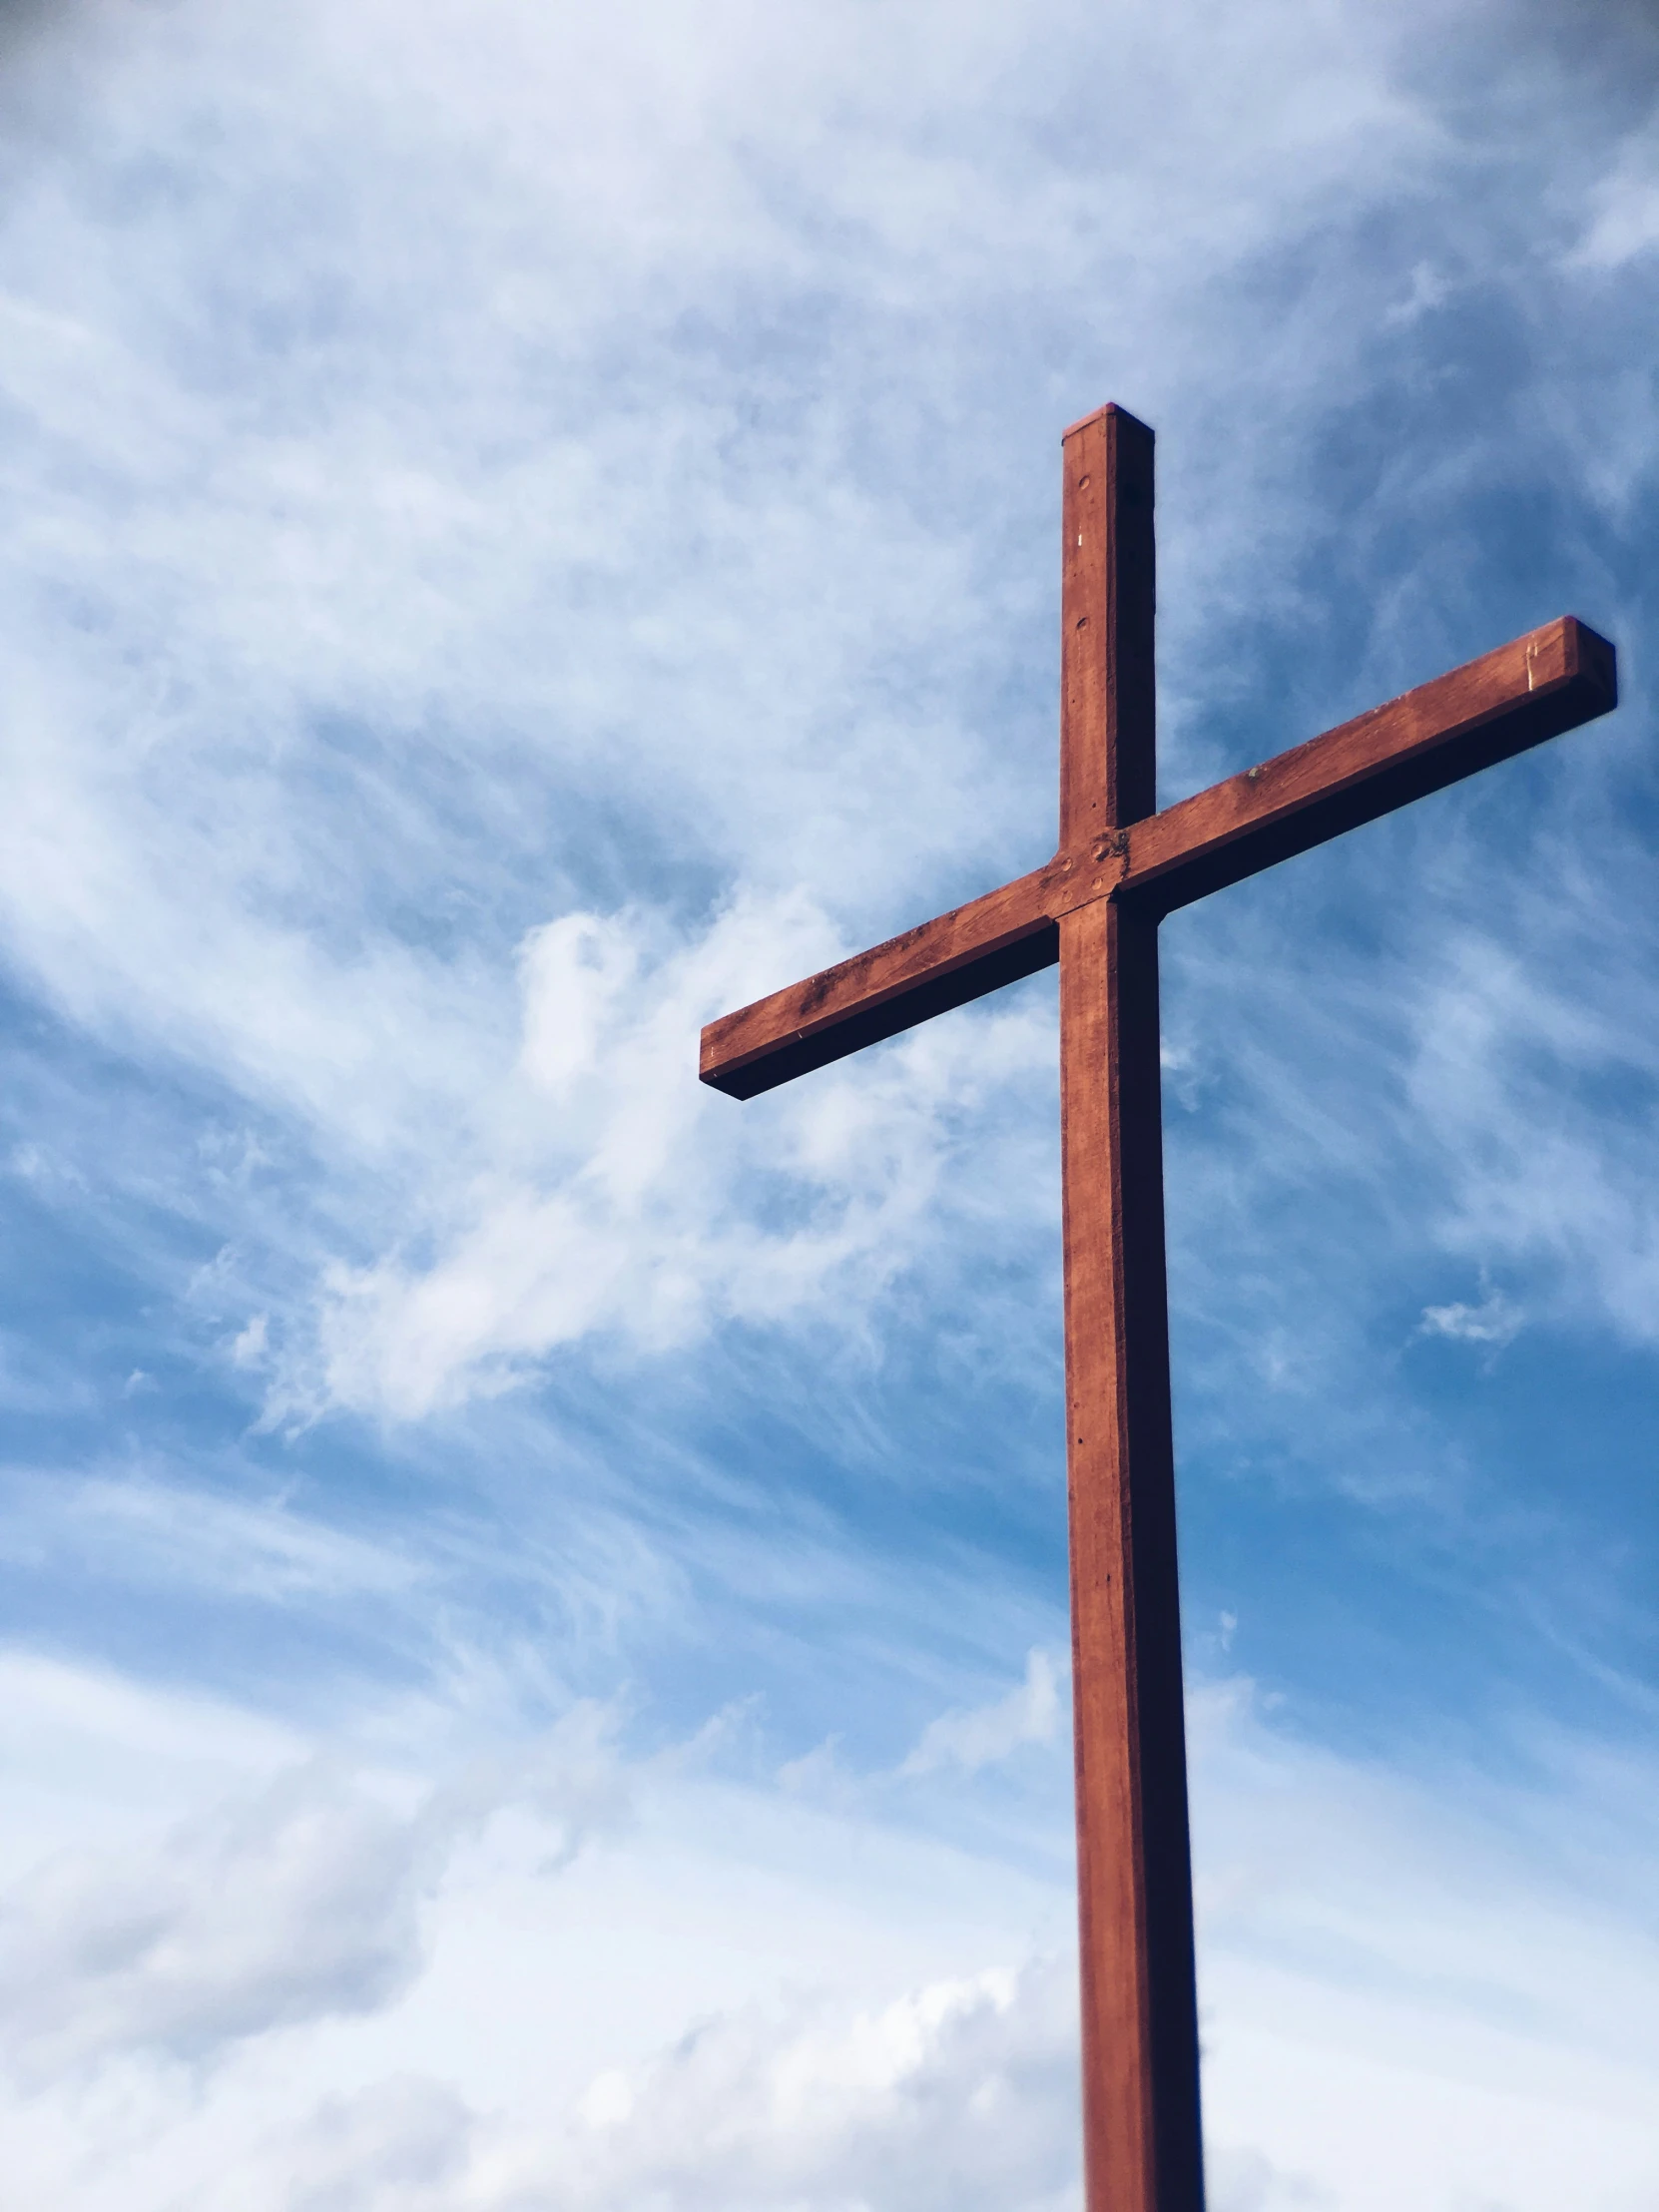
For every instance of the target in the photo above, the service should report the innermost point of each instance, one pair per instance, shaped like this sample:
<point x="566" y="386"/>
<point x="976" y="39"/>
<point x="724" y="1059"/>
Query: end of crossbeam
<point x="976" y="948"/>
<point x="863" y="1001"/>
<point x="1536" y="687"/>
<point x="1570" y="652"/>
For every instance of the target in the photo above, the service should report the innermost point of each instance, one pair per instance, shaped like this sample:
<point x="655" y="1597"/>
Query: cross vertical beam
<point x="1142" y="2145"/>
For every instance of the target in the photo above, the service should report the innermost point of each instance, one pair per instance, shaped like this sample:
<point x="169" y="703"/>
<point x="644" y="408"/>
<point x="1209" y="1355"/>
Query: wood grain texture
<point x="945" y="962"/>
<point x="1108" y="760"/>
<point x="1535" y="688"/>
<point x="1142" y="2148"/>
<point x="1141" y="2131"/>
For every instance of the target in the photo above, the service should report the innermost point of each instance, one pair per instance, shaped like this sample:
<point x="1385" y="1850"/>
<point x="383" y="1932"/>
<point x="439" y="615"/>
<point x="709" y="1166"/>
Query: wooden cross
<point x="1095" y="907"/>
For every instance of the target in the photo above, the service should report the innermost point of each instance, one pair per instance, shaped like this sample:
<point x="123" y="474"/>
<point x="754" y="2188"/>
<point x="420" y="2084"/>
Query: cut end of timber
<point x="743" y="1074"/>
<point x="1535" y="688"/>
<point x="861" y="1001"/>
<point x="1594" y="660"/>
<point x="1111" y="407"/>
<point x="1100" y="414"/>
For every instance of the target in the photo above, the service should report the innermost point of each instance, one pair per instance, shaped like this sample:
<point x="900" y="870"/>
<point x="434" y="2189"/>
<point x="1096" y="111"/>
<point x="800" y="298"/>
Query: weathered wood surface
<point x="1141" y="2135"/>
<point x="1535" y="688"/>
<point x="962" y="955"/>
<point x="1108" y="668"/>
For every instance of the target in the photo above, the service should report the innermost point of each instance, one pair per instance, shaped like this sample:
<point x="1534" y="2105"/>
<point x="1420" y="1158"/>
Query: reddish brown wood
<point x="1095" y="908"/>
<point x="1531" y="689"/>
<point x="1107" y="667"/>
<point x="1535" y="688"/>
<point x="962" y="955"/>
<point x="1141" y="2140"/>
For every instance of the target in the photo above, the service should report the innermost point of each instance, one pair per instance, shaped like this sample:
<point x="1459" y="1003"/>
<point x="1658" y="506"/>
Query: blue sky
<point x="535" y="1666"/>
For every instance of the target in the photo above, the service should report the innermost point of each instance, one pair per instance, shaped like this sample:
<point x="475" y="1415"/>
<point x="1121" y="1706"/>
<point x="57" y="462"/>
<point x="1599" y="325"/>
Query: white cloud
<point x="619" y="1195"/>
<point x="1625" y="208"/>
<point x="1029" y="1714"/>
<point x="285" y="1905"/>
<point x="1495" y="1321"/>
<point x="958" y="2093"/>
<point x="295" y="1905"/>
<point x="1411" y="1993"/>
<point x="248" y="1347"/>
<point x="409" y="2144"/>
<point x="1514" y="1060"/>
<point x="142" y="1531"/>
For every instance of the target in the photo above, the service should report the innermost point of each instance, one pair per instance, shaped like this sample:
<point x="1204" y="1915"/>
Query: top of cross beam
<point x="1108" y="566"/>
<point x="1098" y="414"/>
<point x="1536" y="687"/>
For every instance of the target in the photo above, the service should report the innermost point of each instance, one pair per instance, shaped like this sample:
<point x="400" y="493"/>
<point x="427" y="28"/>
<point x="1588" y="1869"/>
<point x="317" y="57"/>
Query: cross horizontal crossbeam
<point x="1535" y="688"/>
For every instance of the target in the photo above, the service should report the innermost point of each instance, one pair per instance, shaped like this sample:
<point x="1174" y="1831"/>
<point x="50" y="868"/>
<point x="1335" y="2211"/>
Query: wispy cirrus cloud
<point x="973" y="1739"/>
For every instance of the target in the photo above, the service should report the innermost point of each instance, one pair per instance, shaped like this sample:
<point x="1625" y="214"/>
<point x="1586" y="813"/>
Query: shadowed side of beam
<point x="1535" y="688"/>
<point x="963" y="954"/>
